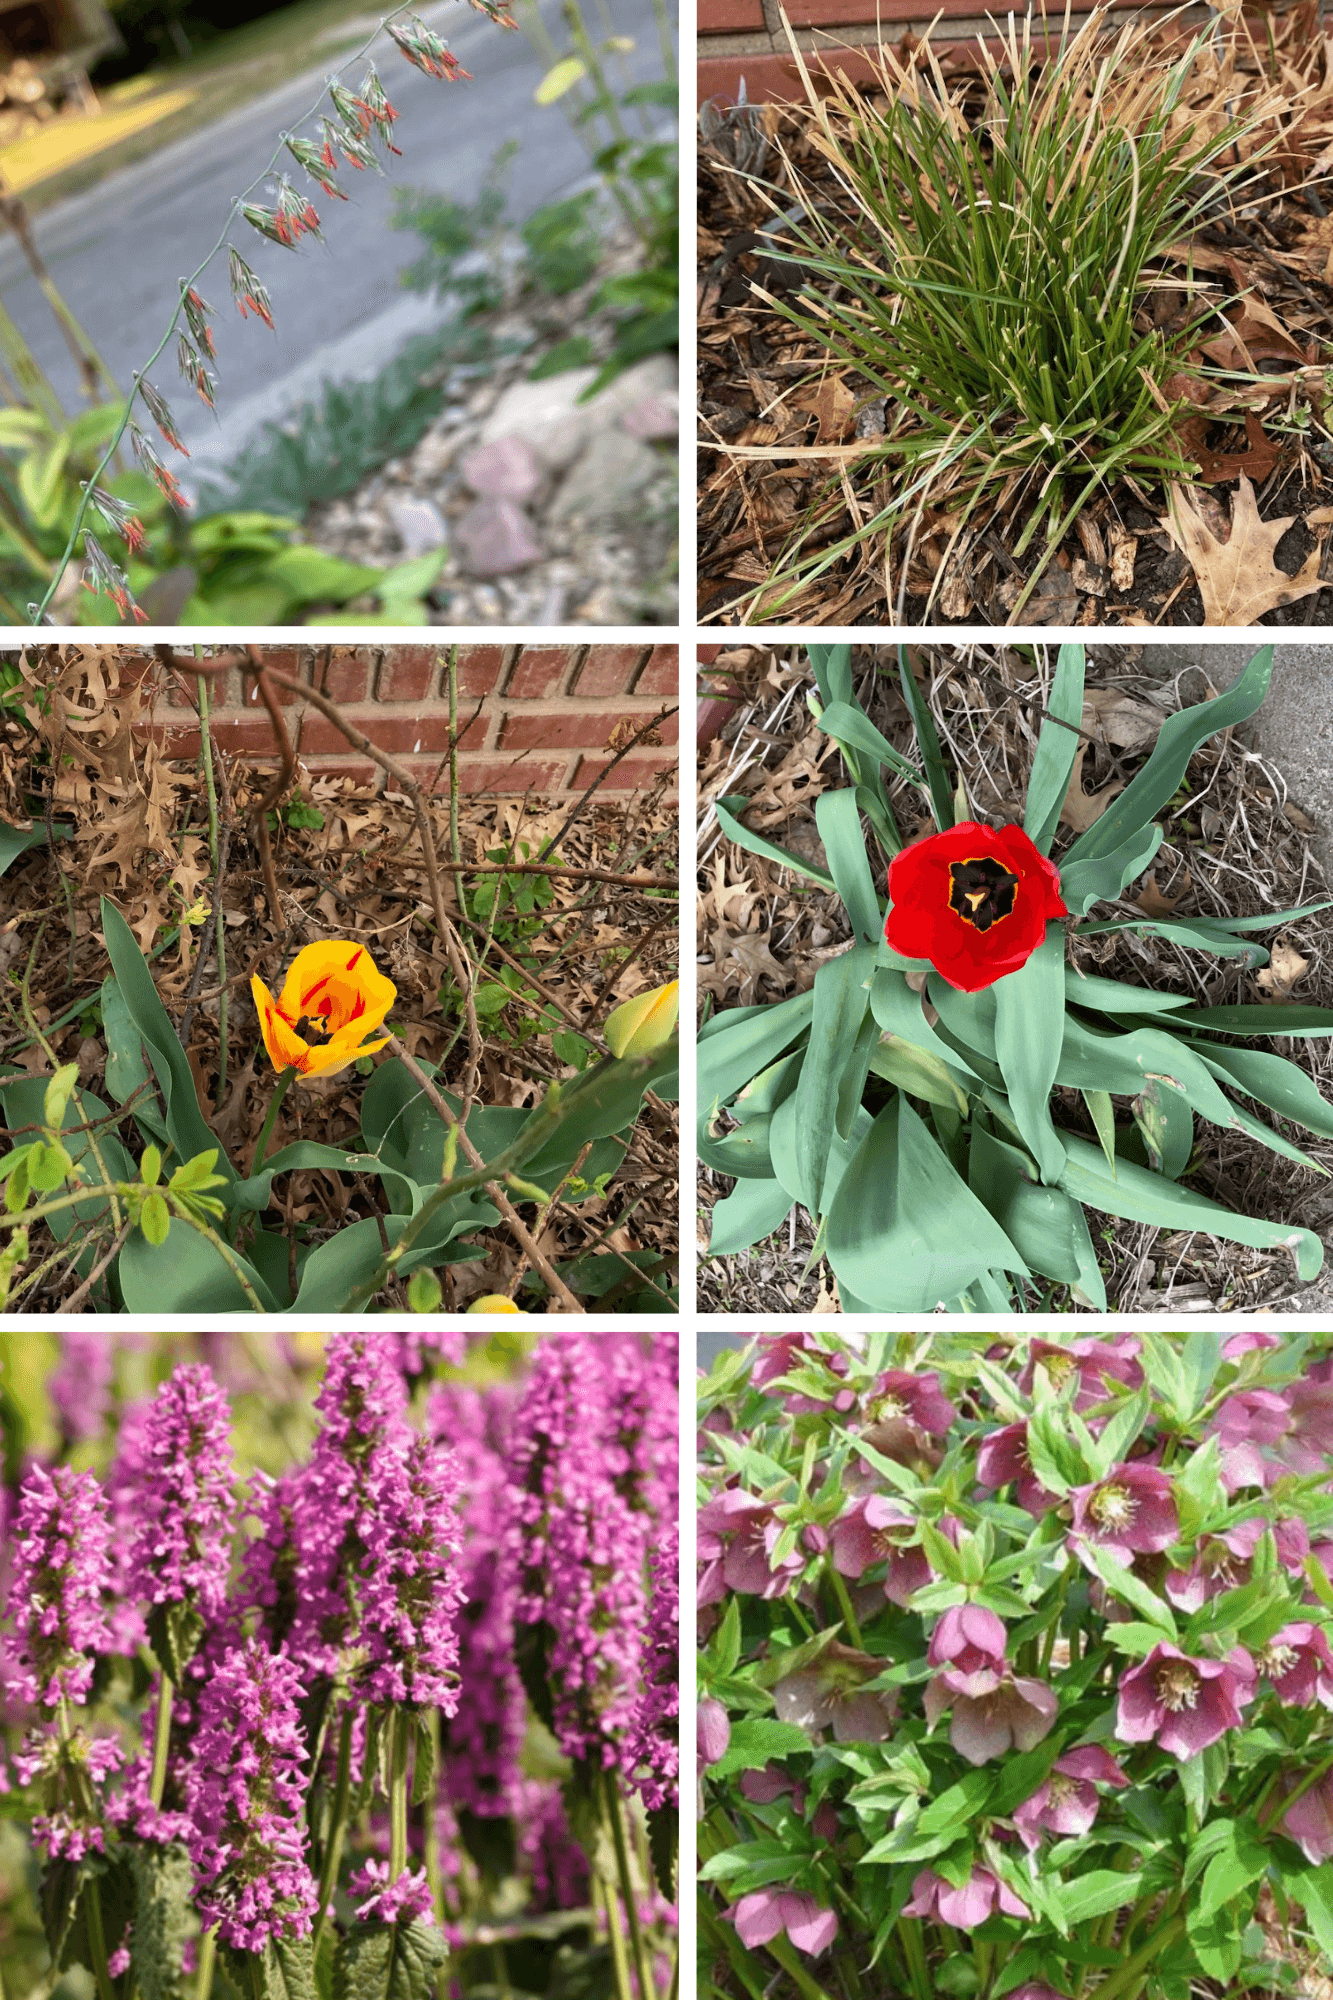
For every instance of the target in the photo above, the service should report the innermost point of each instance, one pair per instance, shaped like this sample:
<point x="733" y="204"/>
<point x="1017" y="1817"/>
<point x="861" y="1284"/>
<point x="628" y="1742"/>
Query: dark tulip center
<point x="314" y="1030"/>
<point x="981" y="892"/>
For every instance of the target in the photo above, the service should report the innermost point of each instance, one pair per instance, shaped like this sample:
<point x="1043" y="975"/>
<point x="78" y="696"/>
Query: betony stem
<point x="398" y="1733"/>
<point x="161" y="1739"/>
<point x="615" y="1815"/>
<point x="333" y="1847"/>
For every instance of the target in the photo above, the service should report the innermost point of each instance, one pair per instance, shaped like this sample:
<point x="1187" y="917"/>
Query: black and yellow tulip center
<point x="981" y="892"/>
<point x="314" y="1030"/>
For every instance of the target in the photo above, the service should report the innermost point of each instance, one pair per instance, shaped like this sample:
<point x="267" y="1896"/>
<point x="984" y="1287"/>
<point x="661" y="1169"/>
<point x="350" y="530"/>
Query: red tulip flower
<point x="975" y="901"/>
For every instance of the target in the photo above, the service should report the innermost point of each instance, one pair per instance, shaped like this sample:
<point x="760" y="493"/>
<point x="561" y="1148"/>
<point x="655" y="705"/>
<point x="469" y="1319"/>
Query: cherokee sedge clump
<point x="351" y="1656"/>
<point x="1067" y="1753"/>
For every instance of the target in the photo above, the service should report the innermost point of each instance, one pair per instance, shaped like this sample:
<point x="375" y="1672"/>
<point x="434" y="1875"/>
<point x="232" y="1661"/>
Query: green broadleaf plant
<point x="184" y="1230"/>
<point x="930" y="1146"/>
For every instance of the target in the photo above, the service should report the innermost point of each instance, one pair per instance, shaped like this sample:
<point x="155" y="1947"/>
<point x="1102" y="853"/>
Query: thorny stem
<point x="275" y="1105"/>
<point x="455" y="850"/>
<point x="615" y="1813"/>
<point x="333" y="1848"/>
<point x="161" y="1739"/>
<point x="198" y="272"/>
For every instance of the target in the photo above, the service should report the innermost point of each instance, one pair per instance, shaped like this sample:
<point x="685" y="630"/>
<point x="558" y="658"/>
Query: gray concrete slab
<point x="119" y="251"/>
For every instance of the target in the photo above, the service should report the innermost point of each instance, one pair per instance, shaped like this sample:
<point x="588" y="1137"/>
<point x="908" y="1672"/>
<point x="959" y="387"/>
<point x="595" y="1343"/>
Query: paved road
<point x="118" y="252"/>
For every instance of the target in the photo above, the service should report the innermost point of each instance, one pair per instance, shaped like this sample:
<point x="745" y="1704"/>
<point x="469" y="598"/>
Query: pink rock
<point x="504" y="470"/>
<point x="495" y="537"/>
<point x="654" y="417"/>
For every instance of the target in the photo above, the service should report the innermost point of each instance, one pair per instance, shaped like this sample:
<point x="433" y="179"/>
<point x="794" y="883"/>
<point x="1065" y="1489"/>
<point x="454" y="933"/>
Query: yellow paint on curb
<point x="63" y="142"/>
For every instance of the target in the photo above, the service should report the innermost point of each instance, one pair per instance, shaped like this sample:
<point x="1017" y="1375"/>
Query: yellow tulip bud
<point x="639" y="1027"/>
<point x="495" y="1302"/>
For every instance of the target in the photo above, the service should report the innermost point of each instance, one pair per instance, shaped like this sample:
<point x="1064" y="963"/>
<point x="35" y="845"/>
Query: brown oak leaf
<point x="1237" y="578"/>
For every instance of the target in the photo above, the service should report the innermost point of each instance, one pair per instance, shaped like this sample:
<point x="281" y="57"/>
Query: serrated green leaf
<point x="1123" y="1584"/>
<point x="163" y="1918"/>
<point x="388" y="1962"/>
<point x="757" y="1739"/>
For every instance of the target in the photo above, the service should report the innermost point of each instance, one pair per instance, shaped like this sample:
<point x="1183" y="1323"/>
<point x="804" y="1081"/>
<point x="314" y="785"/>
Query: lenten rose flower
<point x="1238" y="1344"/>
<point x="900" y="1416"/>
<point x="991" y="1713"/>
<point x="1223" y="1561"/>
<point x="1299" y="1664"/>
<point x="780" y="1353"/>
<point x="740" y="1531"/>
<point x="1184" y="1703"/>
<point x="1002" y="1460"/>
<point x="1309" y="1821"/>
<point x="1034" y="1990"/>
<point x="762" y="1787"/>
<point x="964" y="1908"/>
<point x="1099" y="1364"/>
<point x="968" y="1637"/>
<point x="714" y="1732"/>
<point x="1307" y="1445"/>
<point x="832" y="1694"/>
<point x="873" y="1530"/>
<point x="1068" y="1803"/>
<point x="1130" y="1512"/>
<point x="761" y="1915"/>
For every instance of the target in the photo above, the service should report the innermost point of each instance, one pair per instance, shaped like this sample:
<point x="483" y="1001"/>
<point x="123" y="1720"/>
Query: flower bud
<point x="639" y="1027"/>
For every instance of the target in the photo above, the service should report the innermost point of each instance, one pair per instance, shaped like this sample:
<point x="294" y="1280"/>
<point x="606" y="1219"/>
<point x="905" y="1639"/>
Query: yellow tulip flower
<point x="332" y="998"/>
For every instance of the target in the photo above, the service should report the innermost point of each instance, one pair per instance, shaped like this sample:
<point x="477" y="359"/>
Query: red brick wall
<point x="539" y="718"/>
<point x="745" y="38"/>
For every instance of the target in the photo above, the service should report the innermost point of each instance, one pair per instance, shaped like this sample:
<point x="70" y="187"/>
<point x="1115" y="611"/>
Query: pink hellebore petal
<point x="1130" y="1512"/>
<point x="744" y="1530"/>
<point x="1034" y="1990"/>
<point x="1100" y="1364"/>
<point x="992" y="1714"/>
<point x="964" y="1908"/>
<point x="1309" y="1821"/>
<point x="1002" y="1460"/>
<point x="969" y="1637"/>
<point x="810" y="1927"/>
<point x="760" y="1916"/>
<point x="1252" y="1416"/>
<point x="1067" y="1803"/>
<point x="714" y="1731"/>
<point x="1184" y="1703"/>
<point x="1237" y="1344"/>
<point x="1299" y="1664"/>
<point x="1308" y="1445"/>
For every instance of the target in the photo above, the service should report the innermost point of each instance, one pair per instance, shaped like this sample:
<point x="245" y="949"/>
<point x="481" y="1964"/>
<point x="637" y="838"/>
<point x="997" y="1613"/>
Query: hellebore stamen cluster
<point x="1177" y="1685"/>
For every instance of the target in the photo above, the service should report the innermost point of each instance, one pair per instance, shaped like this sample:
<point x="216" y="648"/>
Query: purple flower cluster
<point x="411" y="1589"/>
<point x="245" y="1794"/>
<point x="579" y="1549"/>
<point x="483" y="1738"/>
<point x="184" y="1504"/>
<point x="378" y="1900"/>
<point x="80" y="1384"/>
<point x="60" y="1570"/>
<point x="652" y="1747"/>
<point x="355" y="1464"/>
